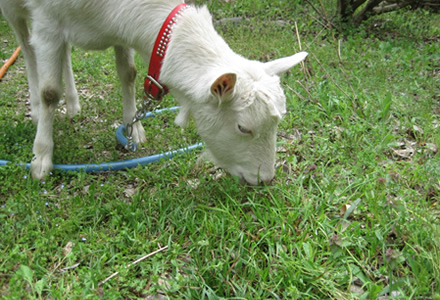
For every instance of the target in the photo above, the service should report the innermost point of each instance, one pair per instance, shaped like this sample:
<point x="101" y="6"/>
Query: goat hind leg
<point x="72" y="102"/>
<point x="22" y="33"/>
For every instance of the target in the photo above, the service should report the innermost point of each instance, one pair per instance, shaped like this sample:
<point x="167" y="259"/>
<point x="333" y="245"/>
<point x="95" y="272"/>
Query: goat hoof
<point x="138" y="133"/>
<point x="41" y="167"/>
<point x="72" y="111"/>
<point x="73" y="107"/>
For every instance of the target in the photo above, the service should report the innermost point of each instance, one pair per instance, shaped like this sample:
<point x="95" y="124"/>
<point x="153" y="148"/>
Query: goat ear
<point x="223" y="87"/>
<point x="281" y="65"/>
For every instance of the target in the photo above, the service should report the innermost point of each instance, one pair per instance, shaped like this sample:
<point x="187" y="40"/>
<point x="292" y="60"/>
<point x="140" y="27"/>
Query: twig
<point x="70" y="268"/>
<point x="133" y="263"/>
<point x="325" y="26"/>
<point x="297" y="36"/>
<point x="305" y="89"/>
<point x="148" y="255"/>
<point x="314" y="39"/>
<point x="298" y="94"/>
<point x="339" y="51"/>
<point x="355" y="98"/>
<point x="314" y="8"/>
<point x="321" y="13"/>
<point x="334" y="82"/>
<point x="303" y="66"/>
<point x="324" y="12"/>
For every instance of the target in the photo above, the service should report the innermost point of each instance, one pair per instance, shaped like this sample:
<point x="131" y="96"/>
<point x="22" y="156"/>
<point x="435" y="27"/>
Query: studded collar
<point x="152" y="86"/>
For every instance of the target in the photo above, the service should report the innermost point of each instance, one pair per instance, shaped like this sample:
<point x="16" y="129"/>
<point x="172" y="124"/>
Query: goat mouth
<point x="250" y="181"/>
<point x="243" y="181"/>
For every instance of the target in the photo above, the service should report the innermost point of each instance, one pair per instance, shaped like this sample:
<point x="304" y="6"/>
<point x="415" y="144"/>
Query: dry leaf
<point x="431" y="147"/>
<point x="68" y="248"/>
<point x="193" y="183"/>
<point x="281" y="149"/>
<point x="404" y="153"/>
<point x="356" y="289"/>
<point x="130" y="191"/>
<point x="347" y="209"/>
<point x="417" y="129"/>
<point x="344" y="208"/>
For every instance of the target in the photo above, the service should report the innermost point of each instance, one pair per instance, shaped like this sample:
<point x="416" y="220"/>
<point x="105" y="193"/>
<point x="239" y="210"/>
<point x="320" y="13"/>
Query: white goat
<point x="236" y="103"/>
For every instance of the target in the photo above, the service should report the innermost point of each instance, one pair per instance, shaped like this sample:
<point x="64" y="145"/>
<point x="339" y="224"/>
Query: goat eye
<point x="244" y="130"/>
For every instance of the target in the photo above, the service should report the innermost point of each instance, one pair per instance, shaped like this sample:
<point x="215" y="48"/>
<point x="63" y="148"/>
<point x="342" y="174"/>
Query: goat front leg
<point x="50" y="54"/>
<point x="126" y="69"/>
<point x="72" y="102"/>
<point x="42" y="164"/>
<point x="22" y="33"/>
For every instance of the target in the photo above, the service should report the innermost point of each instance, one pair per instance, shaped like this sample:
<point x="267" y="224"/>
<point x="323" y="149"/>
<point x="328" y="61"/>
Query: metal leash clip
<point x="145" y="108"/>
<point x="161" y="90"/>
<point x="139" y="115"/>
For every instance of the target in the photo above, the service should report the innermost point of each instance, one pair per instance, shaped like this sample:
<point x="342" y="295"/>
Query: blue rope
<point x="124" y="164"/>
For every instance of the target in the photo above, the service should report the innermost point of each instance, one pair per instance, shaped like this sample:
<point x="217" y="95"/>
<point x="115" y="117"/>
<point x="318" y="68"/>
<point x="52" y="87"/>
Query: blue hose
<point x="124" y="164"/>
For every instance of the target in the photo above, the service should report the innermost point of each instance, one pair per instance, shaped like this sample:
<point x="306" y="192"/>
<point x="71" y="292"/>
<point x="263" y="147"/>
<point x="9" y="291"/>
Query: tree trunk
<point x="366" y="11"/>
<point x="344" y="10"/>
<point x="348" y="9"/>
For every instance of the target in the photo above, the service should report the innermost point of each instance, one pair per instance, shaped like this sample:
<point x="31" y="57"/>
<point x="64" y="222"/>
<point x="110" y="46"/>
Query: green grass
<point x="352" y="214"/>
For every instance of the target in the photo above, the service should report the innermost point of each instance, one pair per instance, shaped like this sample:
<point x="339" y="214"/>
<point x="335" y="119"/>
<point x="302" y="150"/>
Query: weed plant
<point x="353" y="212"/>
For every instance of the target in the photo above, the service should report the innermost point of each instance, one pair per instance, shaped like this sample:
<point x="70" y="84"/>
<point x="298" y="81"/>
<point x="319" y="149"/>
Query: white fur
<point x="238" y="127"/>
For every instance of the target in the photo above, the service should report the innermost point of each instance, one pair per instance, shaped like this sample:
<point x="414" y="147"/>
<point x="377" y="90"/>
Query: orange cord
<point x="9" y="62"/>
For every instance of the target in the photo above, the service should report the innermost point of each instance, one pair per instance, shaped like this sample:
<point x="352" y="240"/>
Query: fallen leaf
<point x="418" y="129"/>
<point x="356" y="289"/>
<point x="432" y="148"/>
<point x="404" y="153"/>
<point x="68" y="248"/>
<point x="193" y="183"/>
<point x="130" y="191"/>
<point x="344" y="208"/>
<point x="349" y="208"/>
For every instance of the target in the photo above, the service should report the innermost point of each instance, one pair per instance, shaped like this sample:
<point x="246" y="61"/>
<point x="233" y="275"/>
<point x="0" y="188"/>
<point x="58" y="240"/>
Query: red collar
<point x="152" y="85"/>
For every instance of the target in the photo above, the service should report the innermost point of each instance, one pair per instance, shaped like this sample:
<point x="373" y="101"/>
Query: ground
<point x="352" y="213"/>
